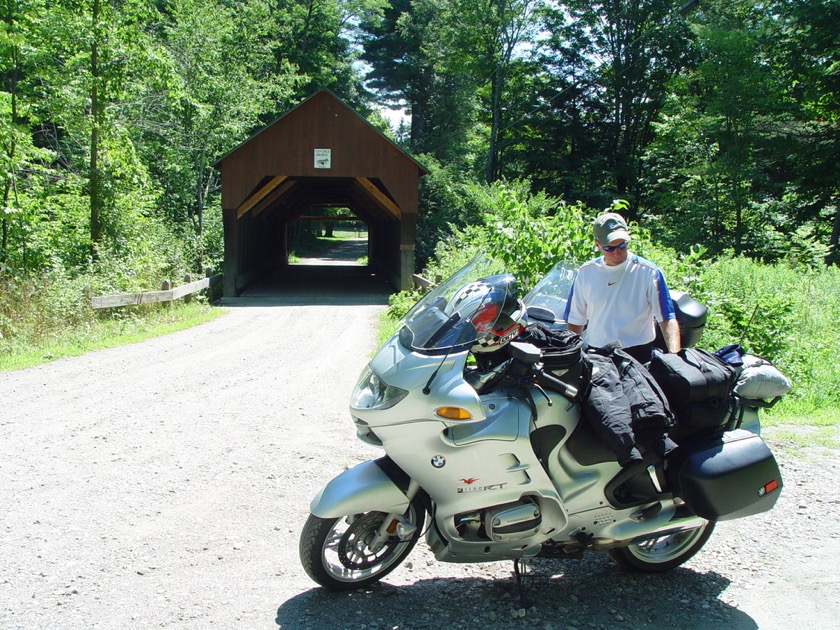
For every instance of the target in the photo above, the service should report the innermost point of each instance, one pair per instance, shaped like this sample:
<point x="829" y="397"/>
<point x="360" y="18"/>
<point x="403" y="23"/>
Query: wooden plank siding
<point x="272" y="179"/>
<point x="287" y="147"/>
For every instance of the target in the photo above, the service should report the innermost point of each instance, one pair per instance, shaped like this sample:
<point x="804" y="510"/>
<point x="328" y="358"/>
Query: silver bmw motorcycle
<point x="485" y="438"/>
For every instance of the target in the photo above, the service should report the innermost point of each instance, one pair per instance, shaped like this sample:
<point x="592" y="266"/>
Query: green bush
<point x="45" y="303"/>
<point x="528" y="233"/>
<point x="785" y="313"/>
<point x="399" y="303"/>
<point x="444" y="205"/>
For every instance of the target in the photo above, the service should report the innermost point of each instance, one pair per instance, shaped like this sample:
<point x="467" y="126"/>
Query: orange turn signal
<point x="453" y="413"/>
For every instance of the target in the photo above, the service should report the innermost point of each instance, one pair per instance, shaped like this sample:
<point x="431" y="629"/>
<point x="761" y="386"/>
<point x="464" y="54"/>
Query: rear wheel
<point x="665" y="552"/>
<point x="336" y="552"/>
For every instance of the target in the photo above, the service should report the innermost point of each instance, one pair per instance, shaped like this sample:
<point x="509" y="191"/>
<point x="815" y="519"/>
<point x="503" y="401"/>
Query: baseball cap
<point x="610" y="227"/>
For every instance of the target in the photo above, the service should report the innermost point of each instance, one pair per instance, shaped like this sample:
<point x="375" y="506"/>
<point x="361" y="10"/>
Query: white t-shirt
<point x="619" y="303"/>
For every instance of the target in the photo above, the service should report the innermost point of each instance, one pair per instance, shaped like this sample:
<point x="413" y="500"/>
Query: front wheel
<point x="336" y="552"/>
<point x="665" y="552"/>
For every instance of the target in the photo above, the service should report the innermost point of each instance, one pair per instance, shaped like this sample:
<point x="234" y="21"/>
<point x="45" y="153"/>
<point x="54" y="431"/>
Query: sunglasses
<point x="612" y="248"/>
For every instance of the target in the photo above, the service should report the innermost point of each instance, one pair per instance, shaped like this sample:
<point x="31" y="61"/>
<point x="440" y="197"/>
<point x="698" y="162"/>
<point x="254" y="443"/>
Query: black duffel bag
<point x="561" y="348"/>
<point x="698" y="386"/>
<point x="561" y="355"/>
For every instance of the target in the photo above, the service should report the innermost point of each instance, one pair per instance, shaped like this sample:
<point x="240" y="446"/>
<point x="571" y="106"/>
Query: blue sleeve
<point x="666" y="306"/>
<point x="568" y="303"/>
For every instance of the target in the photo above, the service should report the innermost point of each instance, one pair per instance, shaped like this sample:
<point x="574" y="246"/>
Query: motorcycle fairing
<point x="360" y="489"/>
<point x="510" y="474"/>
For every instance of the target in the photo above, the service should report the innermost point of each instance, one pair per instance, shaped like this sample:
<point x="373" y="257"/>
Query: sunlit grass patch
<point x="17" y="353"/>
<point x="798" y="437"/>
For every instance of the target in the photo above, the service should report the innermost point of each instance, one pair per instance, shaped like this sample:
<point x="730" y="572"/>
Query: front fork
<point x="395" y="524"/>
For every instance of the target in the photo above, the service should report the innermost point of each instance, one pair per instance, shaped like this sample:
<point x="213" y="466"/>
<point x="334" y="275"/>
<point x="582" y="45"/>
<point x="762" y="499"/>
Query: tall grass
<point x="788" y="314"/>
<point x="35" y="307"/>
<point x="48" y="316"/>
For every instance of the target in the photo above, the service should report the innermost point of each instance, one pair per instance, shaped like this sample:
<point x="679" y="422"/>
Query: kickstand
<point x="520" y="570"/>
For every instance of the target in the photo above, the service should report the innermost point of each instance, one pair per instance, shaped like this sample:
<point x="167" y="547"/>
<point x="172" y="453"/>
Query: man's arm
<point x="671" y="333"/>
<point x="575" y="328"/>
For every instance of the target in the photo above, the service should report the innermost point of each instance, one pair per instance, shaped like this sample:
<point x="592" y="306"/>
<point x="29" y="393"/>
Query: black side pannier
<point x="698" y="386"/>
<point x="728" y="476"/>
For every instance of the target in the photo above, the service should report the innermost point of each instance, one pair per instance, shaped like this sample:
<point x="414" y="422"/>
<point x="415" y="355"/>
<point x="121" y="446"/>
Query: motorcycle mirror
<point x="540" y="313"/>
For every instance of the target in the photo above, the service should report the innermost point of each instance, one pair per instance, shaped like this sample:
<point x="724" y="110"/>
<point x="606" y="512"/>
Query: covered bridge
<point x="321" y="154"/>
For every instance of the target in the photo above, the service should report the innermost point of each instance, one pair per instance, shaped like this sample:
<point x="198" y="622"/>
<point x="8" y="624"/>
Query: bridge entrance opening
<point x="331" y="237"/>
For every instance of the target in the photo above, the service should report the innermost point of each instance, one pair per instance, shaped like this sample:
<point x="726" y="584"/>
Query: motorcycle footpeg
<point x="647" y="513"/>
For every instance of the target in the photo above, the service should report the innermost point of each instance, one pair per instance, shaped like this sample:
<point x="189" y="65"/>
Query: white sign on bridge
<point x="323" y="158"/>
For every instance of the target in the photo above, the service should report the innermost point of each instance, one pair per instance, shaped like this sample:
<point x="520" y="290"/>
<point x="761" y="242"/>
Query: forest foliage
<point x="716" y="121"/>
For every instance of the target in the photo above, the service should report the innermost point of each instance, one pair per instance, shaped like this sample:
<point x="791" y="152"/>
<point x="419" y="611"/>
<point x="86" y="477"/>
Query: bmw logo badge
<point x="438" y="461"/>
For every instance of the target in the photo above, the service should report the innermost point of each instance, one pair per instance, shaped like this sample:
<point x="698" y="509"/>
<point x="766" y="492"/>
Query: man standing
<point x="619" y="296"/>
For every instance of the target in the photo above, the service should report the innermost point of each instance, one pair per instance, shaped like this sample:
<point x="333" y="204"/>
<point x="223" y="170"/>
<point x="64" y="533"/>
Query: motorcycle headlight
<point x="373" y="393"/>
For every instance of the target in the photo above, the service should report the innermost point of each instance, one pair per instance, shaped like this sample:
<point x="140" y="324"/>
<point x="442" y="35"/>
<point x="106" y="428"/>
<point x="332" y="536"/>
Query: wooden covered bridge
<point x="321" y="154"/>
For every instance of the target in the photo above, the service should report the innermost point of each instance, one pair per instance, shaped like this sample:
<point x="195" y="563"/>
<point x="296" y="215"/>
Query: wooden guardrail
<point x="421" y="282"/>
<point x="166" y="294"/>
<point x="424" y="283"/>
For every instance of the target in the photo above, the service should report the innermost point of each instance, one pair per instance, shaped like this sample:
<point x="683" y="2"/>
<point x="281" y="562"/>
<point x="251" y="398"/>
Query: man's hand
<point x="575" y="328"/>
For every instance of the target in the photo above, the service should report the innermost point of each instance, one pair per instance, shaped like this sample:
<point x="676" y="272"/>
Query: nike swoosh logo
<point x="609" y="284"/>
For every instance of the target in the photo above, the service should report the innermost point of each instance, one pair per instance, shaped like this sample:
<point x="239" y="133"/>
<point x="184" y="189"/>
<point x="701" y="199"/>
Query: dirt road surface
<point x="164" y="485"/>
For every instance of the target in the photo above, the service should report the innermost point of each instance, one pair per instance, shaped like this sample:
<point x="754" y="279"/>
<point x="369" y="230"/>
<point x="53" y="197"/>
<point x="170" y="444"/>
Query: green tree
<point x="98" y="50"/>
<point x="223" y="79"/>
<point x="401" y="73"/>
<point x="804" y="44"/>
<point x="444" y="206"/>
<point x="725" y="127"/>
<point x="611" y="62"/>
<point x="20" y="158"/>
<point x="485" y="37"/>
<point x="406" y="54"/>
<point x="319" y="38"/>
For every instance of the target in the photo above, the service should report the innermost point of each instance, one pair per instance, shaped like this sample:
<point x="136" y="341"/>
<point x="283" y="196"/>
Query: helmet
<point x="492" y="307"/>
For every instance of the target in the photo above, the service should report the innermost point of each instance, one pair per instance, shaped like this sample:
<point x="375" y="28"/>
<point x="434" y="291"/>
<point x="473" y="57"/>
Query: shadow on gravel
<point x="303" y="286"/>
<point x="335" y="277"/>
<point x="575" y="594"/>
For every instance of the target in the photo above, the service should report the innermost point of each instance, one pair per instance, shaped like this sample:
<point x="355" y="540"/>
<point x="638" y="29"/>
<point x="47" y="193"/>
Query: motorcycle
<point x="487" y="438"/>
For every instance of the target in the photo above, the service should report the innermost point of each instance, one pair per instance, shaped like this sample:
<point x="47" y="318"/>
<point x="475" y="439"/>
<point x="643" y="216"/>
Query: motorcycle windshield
<point x="450" y="317"/>
<point x="552" y="292"/>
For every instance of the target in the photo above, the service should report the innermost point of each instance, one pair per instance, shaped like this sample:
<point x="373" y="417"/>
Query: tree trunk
<point x="4" y="243"/>
<point x="94" y="175"/>
<point x="7" y="193"/>
<point x="418" y="140"/>
<point x="491" y="168"/>
<point x="833" y="257"/>
<point x="199" y="210"/>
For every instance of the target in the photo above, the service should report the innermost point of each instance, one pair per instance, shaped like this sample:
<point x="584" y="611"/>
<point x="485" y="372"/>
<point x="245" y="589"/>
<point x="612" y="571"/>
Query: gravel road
<point x="164" y="485"/>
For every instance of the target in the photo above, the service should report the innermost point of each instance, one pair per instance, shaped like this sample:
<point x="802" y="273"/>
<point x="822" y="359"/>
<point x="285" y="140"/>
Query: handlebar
<point x="523" y="367"/>
<point x="527" y="369"/>
<point x="546" y="380"/>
